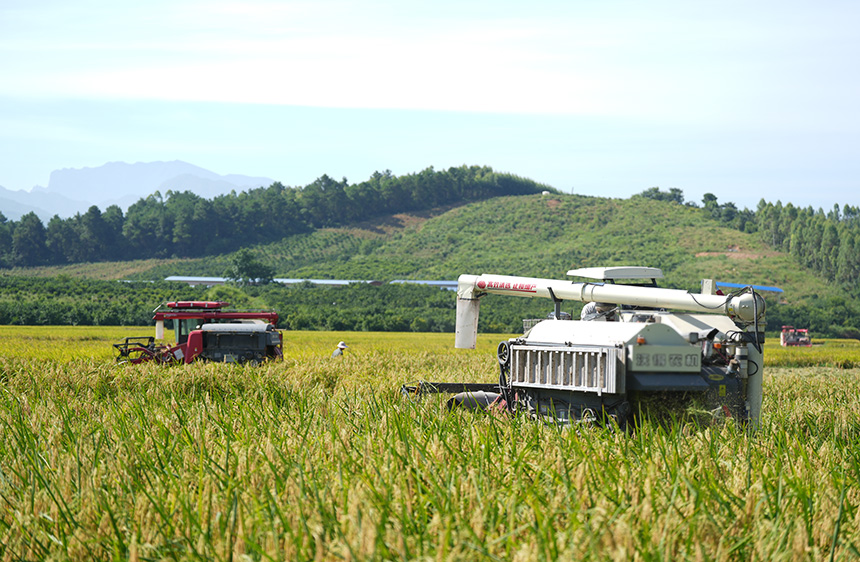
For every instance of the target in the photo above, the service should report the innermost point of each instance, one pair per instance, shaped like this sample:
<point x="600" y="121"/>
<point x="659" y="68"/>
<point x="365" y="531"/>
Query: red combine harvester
<point x="791" y="337"/>
<point x="205" y="331"/>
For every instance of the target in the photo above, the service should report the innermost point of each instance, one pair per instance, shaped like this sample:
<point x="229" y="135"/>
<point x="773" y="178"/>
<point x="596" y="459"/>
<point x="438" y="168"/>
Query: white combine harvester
<point x="630" y="343"/>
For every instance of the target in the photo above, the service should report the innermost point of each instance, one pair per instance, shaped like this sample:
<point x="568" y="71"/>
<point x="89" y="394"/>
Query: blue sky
<point x="745" y="100"/>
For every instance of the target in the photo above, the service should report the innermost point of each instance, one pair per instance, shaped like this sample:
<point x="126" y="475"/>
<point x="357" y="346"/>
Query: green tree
<point x="829" y="251"/>
<point x="710" y="206"/>
<point x="94" y="234"/>
<point x="235" y="296"/>
<point x="5" y="241"/>
<point x="674" y="195"/>
<point x="63" y="241"/>
<point x="148" y="228"/>
<point x="246" y="270"/>
<point x="115" y="243"/>
<point x="189" y="235"/>
<point x="28" y="241"/>
<point x="848" y="260"/>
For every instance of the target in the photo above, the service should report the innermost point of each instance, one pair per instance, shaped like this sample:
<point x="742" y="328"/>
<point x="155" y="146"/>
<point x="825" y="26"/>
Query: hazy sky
<point x="745" y="100"/>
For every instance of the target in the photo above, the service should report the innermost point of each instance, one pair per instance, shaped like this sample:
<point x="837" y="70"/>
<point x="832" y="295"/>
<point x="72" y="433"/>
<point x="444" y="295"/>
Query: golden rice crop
<point x="315" y="458"/>
<point x="844" y="353"/>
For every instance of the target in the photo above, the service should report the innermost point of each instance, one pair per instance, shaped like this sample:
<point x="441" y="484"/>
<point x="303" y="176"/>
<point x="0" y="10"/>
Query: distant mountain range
<point x="74" y="190"/>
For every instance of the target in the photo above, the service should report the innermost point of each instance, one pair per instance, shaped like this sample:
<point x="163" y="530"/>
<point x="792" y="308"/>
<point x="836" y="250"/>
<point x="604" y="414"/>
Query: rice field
<point x="320" y="459"/>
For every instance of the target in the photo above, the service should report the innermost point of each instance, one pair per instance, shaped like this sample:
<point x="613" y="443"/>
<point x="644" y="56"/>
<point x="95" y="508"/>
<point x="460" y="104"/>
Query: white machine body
<point x="644" y="345"/>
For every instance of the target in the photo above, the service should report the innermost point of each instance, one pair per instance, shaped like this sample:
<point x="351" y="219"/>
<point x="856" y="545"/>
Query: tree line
<point x="358" y="307"/>
<point x="182" y="224"/>
<point x="827" y="243"/>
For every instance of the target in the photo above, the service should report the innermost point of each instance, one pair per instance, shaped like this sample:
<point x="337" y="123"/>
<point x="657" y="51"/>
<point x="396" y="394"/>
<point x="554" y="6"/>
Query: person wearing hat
<point x="339" y="351"/>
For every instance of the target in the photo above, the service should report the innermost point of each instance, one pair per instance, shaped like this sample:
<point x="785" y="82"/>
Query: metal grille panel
<point x="575" y="368"/>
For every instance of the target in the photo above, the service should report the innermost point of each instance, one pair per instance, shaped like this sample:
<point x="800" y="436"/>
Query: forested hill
<point x="546" y="235"/>
<point x="811" y="254"/>
<point x="182" y="224"/>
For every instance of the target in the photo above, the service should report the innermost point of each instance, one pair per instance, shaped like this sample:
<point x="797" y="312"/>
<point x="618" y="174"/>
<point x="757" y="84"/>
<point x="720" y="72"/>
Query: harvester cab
<point x="630" y="344"/>
<point x="207" y="330"/>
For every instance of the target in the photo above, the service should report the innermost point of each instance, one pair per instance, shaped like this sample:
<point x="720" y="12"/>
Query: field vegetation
<point x="314" y="458"/>
<point x="359" y="307"/>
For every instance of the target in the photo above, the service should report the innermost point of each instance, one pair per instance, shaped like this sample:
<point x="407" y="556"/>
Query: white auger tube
<point x="743" y="308"/>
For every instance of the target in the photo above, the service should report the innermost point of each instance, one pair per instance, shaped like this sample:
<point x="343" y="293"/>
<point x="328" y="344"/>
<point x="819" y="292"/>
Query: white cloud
<point x="666" y="61"/>
<point x="336" y="54"/>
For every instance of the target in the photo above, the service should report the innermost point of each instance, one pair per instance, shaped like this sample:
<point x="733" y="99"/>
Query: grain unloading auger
<point x="630" y="344"/>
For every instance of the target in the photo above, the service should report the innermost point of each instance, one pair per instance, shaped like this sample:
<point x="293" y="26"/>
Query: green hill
<point x="535" y="235"/>
<point x="532" y="235"/>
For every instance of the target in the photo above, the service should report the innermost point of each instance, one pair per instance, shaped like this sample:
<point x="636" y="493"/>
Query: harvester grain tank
<point x="207" y="330"/>
<point x="631" y="342"/>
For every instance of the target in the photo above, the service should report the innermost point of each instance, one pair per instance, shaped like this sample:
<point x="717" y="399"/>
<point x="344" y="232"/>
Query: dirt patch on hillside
<point x="552" y="203"/>
<point x="736" y="253"/>
<point x="108" y="271"/>
<point x="400" y="221"/>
